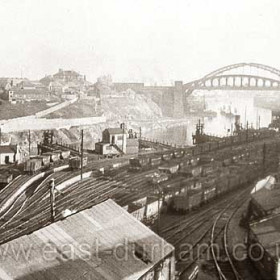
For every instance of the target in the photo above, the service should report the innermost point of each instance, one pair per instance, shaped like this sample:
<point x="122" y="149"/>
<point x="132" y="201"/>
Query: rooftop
<point x="116" y="130"/>
<point x="93" y="241"/>
<point x="267" y="198"/>
<point x="8" y="149"/>
<point x="268" y="234"/>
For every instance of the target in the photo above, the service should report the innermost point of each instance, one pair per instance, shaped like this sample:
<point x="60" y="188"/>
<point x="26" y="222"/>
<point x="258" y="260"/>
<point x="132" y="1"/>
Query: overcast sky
<point x="136" y="40"/>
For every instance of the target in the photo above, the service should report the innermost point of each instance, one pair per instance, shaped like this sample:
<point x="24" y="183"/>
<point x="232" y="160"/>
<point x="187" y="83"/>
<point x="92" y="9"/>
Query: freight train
<point x="38" y="163"/>
<point x="201" y="179"/>
<point x="147" y="161"/>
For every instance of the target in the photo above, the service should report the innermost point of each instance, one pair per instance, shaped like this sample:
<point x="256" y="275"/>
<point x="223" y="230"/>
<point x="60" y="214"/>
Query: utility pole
<point x="29" y="142"/>
<point x="264" y="157"/>
<point x="52" y="199"/>
<point x="247" y="127"/>
<point x="159" y="198"/>
<point x="82" y="153"/>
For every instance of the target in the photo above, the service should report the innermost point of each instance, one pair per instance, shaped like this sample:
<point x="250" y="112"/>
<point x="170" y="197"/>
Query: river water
<point x="226" y="105"/>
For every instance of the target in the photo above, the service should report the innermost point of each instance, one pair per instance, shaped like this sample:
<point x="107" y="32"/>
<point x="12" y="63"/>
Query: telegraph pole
<point x="29" y="142"/>
<point x="52" y="199"/>
<point x="82" y="153"/>
<point x="264" y="157"/>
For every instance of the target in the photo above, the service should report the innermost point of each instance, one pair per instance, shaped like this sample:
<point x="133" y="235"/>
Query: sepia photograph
<point x="139" y="140"/>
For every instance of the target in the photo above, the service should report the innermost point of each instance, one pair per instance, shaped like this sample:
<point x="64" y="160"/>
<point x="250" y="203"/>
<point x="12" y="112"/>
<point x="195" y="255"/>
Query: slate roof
<point x="268" y="234"/>
<point x="116" y="130"/>
<point x="93" y="241"/>
<point x="8" y="149"/>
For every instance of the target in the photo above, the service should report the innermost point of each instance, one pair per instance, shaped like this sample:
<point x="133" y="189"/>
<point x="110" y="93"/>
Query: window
<point x="120" y="137"/>
<point x="108" y="148"/>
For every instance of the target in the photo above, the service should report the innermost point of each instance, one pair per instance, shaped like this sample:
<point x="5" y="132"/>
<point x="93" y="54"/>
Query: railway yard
<point x="189" y="196"/>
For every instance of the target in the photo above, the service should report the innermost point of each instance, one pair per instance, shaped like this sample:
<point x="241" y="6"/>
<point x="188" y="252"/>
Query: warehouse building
<point x="265" y="198"/>
<point x="104" y="242"/>
<point x="263" y="247"/>
<point x="117" y="141"/>
<point x="9" y="154"/>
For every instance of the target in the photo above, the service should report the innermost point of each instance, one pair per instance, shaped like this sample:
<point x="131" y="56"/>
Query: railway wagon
<point x="45" y="160"/>
<point x="179" y="153"/>
<point x="138" y="163"/>
<point x="222" y="184"/>
<point x="184" y="203"/>
<point x="206" y="159"/>
<point x="158" y="178"/>
<point x="233" y="182"/>
<point x="172" y="187"/>
<point x="75" y="163"/>
<point x="32" y="165"/>
<point x="5" y="177"/>
<point x="155" y="160"/>
<point x="191" y="171"/>
<point x="54" y="157"/>
<point x="209" y="192"/>
<point x="170" y="169"/>
<point x="166" y="156"/>
<point x="152" y="207"/>
<point x="208" y="169"/>
<point x="195" y="161"/>
<point x="65" y="154"/>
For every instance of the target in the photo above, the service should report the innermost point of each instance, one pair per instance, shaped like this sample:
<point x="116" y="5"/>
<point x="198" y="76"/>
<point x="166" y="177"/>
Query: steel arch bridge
<point x="222" y="78"/>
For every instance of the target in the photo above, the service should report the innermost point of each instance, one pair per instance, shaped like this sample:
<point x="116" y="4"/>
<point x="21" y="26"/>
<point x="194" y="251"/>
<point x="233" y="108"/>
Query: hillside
<point x="10" y="111"/>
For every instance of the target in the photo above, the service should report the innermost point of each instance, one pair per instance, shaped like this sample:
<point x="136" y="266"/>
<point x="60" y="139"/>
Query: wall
<point x="3" y="156"/>
<point x="32" y="123"/>
<point x="55" y="108"/>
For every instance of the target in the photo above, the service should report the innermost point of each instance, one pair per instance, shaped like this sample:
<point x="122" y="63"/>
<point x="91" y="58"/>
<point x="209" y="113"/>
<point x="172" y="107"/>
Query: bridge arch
<point x="223" y="78"/>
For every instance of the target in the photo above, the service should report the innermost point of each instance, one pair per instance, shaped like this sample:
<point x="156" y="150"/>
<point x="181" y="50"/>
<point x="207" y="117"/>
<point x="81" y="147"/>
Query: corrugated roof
<point x="115" y="130"/>
<point x="268" y="199"/>
<point x="8" y="149"/>
<point x="60" y="250"/>
<point x="268" y="234"/>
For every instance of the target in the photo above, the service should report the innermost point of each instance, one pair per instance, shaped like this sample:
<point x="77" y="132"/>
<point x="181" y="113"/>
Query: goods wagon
<point x="194" y="198"/>
<point x="32" y="165"/>
<point x="167" y="155"/>
<point x="172" y="187"/>
<point x="233" y="182"/>
<point x="194" y="161"/>
<point x="53" y="156"/>
<point x="191" y="171"/>
<point x="184" y="203"/>
<point x="65" y="154"/>
<point x="138" y="163"/>
<point x="155" y="160"/>
<point x="206" y="159"/>
<point x="179" y="153"/>
<point x="56" y="155"/>
<point x="5" y="177"/>
<point x="75" y="163"/>
<point x="171" y="168"/>
<point x="45" y="160"/>
<point x="152" y="207"/>
<point x="157" y="178"/>
<point x="209" y="192"/>
<point x="208" y="169"/>
<point x="187" y="184"/>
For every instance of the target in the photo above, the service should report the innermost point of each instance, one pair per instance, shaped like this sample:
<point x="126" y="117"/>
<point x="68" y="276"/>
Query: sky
<point x="151" y="41"/>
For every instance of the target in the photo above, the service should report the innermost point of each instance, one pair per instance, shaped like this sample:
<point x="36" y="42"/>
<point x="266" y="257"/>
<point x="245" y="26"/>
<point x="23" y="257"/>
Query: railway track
<point x="205" y="236"/>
